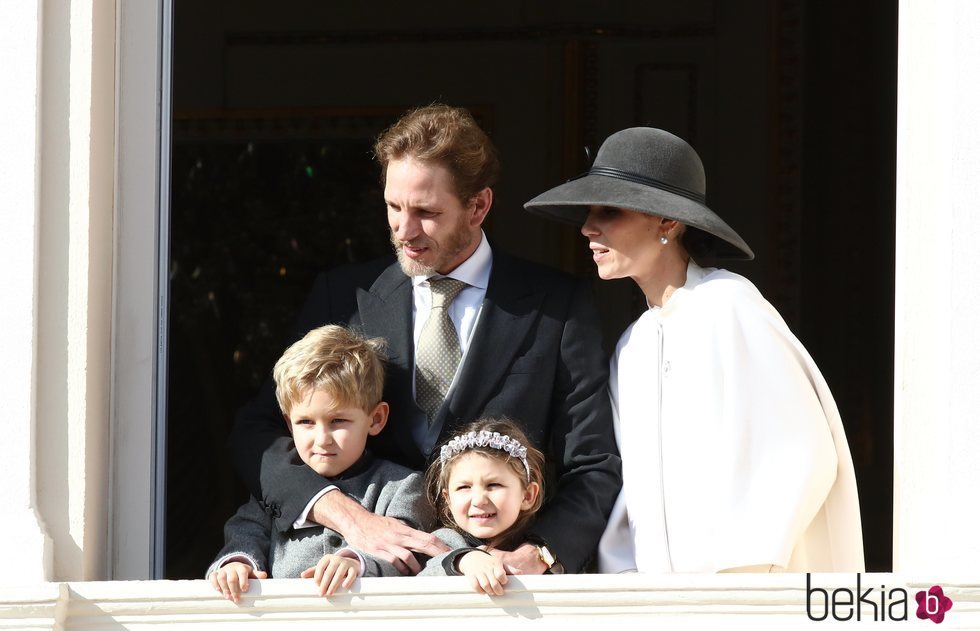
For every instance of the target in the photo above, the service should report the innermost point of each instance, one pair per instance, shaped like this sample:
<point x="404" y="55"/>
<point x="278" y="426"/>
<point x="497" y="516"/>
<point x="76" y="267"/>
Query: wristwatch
<point x="549" y="559"/>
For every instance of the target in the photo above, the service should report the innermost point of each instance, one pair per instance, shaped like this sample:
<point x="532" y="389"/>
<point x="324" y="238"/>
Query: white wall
<point x="57" y="164"/>
<point x="23" y="534"/>
<point x="937" y="297"/>
<point x="75" y="280"/>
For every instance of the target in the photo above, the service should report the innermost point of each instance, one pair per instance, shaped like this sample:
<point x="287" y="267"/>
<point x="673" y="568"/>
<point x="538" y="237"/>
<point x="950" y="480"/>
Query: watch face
<point x="549" y="559"/>
<point x="546" y="556"/>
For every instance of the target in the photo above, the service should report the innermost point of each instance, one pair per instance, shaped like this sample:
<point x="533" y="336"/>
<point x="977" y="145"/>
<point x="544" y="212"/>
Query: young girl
<point x="486" y="486"/>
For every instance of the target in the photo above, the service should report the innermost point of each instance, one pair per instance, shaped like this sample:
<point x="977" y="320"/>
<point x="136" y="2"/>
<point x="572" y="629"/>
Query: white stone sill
<point x="627" y="601"/>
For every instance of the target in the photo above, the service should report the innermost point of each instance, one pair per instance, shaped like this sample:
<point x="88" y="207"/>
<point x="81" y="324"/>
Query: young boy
<point x="329" y="386"/>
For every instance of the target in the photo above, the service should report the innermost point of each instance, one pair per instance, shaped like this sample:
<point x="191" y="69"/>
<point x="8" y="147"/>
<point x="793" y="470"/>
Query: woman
<point x="734" y="456"/>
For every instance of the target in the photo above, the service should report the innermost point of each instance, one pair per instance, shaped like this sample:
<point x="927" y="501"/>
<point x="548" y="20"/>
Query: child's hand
<point x="333" y="571"/>
<point x="485" y="572"/>
<point x="231" y="579"/>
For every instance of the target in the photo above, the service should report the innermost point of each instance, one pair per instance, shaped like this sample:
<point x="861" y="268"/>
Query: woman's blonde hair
<point x="333" y="359"/>
<point x="437" y="477"/>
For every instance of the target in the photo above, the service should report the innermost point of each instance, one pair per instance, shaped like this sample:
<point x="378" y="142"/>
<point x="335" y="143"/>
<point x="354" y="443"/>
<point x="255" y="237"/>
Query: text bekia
<point x="843" y="603"/>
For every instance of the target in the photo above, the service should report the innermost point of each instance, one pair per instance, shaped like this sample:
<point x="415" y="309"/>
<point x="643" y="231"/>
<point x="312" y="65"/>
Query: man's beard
<point x="409" y="266"/>
<point x="456" y="242"/>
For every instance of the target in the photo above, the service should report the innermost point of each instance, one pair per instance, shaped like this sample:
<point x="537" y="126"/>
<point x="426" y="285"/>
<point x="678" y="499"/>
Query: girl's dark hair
<point x="437" y="477"/>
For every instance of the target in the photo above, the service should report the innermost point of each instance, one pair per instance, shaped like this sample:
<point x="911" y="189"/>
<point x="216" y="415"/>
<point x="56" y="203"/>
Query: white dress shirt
<point x="464" y="311"/>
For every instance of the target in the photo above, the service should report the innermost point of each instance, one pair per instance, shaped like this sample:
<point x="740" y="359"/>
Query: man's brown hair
<point x="443" y="135"/>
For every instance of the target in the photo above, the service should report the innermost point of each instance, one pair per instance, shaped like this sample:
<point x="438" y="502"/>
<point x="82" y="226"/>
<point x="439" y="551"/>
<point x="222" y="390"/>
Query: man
<point x="471" y="332"/>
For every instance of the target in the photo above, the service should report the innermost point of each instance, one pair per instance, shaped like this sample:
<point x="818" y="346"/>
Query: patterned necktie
<point x="438" y="352"/>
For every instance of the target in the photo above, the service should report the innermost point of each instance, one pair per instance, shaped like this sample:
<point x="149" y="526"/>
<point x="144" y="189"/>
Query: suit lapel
<point x="385" y="310"/>
<point x="509" y="311"/>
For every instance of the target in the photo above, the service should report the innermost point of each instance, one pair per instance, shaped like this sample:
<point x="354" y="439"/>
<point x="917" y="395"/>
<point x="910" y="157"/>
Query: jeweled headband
<point x="484" y="438"/>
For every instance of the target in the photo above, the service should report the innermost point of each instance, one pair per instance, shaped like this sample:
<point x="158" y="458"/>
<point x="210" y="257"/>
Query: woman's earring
<point x="663" y="239"/>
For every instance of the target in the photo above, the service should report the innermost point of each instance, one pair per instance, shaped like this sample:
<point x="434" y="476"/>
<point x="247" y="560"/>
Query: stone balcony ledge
<point x="627" y="601"/>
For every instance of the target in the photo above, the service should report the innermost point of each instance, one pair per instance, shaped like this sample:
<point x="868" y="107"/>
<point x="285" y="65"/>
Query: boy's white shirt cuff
<point x="351" y="553"/>
<point x="231" y="557"/>
<point x="304" y="521"/>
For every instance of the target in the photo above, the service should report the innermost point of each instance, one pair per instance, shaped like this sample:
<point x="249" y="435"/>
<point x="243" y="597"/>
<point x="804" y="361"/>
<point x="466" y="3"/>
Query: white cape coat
<point x="733" y="450"/>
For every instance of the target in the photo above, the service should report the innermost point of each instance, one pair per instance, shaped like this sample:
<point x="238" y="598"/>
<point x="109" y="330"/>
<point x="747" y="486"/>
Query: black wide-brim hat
<point x="650" y="171"/>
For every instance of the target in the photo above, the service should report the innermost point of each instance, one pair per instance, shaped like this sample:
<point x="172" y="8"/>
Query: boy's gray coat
<point x="382" y="487"/>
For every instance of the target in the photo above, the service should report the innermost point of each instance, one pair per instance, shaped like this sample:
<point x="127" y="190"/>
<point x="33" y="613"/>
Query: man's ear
<point x="379" y="418"/>
<point x="479" y="205"/>
<point x="530" y="495"/>
<point x="289" y="423"/>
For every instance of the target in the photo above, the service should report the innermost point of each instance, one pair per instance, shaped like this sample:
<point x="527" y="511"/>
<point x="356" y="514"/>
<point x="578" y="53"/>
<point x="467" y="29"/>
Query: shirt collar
<point x="474" y="271"/>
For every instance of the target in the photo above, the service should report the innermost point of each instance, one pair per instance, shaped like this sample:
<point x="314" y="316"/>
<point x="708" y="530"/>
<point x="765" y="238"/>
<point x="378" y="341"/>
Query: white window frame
<point x="138" y="438"/>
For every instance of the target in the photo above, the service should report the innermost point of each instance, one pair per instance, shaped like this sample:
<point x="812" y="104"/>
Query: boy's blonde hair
<point x="333" y="359"/>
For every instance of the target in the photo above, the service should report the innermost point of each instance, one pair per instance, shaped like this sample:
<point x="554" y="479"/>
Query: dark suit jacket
<point x="535" y="357"/>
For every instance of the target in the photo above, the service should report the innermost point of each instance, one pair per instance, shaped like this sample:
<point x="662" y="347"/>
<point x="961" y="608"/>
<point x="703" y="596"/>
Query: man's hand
<point x="523" y="560"/>
<point x="382" y="537"/>
<point x="231" y="579"/>
<point x="333" y="571"/>
<point x="485" y="572"/>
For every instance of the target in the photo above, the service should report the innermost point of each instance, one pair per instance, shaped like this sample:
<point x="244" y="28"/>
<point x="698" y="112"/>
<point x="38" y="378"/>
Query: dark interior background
<point x="790" y="103"/>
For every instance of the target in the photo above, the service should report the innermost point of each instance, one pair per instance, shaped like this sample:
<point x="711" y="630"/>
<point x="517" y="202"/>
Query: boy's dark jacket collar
<point x="361" y="465"/>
